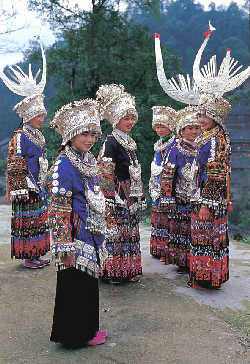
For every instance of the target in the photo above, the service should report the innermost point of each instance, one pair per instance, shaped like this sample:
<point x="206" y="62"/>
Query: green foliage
<point x="183" y="22"/>
<point x="105" y="46"/>
<point x="108" y="48"/>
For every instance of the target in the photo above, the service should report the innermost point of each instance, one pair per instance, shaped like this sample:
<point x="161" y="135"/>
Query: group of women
<point x="92" y="207"/>
<point x="189" y="188"/>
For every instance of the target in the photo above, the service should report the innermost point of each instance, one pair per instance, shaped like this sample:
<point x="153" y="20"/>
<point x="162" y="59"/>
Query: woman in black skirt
<point x="120" y="181"/>
<point x="77" y="221"/>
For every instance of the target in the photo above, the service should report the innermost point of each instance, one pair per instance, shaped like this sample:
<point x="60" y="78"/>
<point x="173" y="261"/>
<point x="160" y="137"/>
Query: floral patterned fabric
<point x="209" y="253"/>
<point x="29" y="224"/>
<point x="122" y="213"/>
<point x="159" y="186"/>
<point x="170" y="218"/>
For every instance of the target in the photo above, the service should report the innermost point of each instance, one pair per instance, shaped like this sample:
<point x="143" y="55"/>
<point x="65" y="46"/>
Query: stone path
<point x="233" y="293"/>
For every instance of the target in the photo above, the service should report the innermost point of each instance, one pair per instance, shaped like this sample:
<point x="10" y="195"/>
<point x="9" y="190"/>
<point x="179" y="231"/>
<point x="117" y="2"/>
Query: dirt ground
<point x="158" y="320"/>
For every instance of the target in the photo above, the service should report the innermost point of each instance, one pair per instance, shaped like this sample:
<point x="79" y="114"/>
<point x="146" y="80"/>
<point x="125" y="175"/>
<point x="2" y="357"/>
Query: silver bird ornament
<point x="183" y="89"/>
<point x="209" y="79"/>
<point x="22" y="84"/>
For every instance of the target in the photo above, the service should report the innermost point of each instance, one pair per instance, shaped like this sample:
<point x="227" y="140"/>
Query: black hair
<point x="21" y="124"/>
<point x="62" y="147"/>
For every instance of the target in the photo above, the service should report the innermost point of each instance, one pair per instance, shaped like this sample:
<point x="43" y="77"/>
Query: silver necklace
<point x="88" y="169"/>
<point x="35" y="136"/>
<point x="129" y="145"/>
<point x="159" y="146"/>
<point x="185" y="152"/>
<point x="204" y="139"/>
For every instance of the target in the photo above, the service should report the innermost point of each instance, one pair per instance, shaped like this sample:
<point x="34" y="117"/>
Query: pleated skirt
<point x="76" y="312"/>
<point x="30" y="236"/>
<point x="209" y="251"/>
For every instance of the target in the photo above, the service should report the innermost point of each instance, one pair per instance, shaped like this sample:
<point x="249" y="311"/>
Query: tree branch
<point x="55" y="2"/>
<point x="11" y="30"/>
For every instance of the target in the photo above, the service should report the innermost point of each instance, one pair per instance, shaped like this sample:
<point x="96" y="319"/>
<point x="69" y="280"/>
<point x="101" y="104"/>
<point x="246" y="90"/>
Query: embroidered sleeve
<point x="106" y="177"/>
<point x="17" y="168"/>
<point x="59" y="187"/>
<point x="106" y="162"/>
<point x="167" y="179"/>
<point x="216" y="172"/>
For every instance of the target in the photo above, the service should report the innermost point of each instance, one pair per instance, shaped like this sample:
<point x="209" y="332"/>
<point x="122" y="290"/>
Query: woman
<point x="26" y="169"/>
<point x="209" y="256"/>
<point x="164" y="122"/>
<point x="179" y="188"/>
<point x="120" y="180"/>
<point x="77" y="220"/>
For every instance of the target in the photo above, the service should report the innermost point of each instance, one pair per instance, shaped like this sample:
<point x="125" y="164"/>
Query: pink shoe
<point x="32" y="265"/>
<point x="44" y="261"/>
<point x="103" y="333"/>
<point x="97" y="340"/>
<point x="134" y="279"/>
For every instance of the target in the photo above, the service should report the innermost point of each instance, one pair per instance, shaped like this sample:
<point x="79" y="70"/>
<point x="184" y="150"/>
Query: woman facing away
<point x="179" y="188"/>
<point x="77" y="220"/>
<point x="26" y="168"/>
<point x="209" y="255"/>
<point x="164" y="122"/>
<point x="120" y="180"/>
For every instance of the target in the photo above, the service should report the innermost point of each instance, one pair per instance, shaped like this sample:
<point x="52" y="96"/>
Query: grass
<point x="239" y="319"/>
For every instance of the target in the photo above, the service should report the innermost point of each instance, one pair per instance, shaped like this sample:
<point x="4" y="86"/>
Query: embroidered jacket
<point x="115" y="163"/>
<point x="114" y="175"/>
<point x="23" y="165"/>
<point x="120" y="181"/>
<point x="180" y="174"/>
<point x="71" y="217"/>
<point x="215" y="168"/>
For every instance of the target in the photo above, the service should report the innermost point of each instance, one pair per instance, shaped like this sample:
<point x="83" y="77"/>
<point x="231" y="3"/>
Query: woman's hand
<point x="204" y="213"/>
<point x="68" y="260"/>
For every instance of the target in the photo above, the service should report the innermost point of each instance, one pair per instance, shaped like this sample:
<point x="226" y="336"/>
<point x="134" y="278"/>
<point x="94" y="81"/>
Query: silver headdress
<point x="211" y="81"/>
<point x="78" y="117"/>
<point x="26" y="85"/>
<point x="164" y="115"/>
<point x="185" y="117"/>
<point x="213" y="84"/>
<point x="116" y="102"/>
<point x="184" y="89"/>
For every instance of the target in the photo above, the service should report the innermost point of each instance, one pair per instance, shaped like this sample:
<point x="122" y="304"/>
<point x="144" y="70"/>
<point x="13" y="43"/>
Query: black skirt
<point x="76" y="312"/>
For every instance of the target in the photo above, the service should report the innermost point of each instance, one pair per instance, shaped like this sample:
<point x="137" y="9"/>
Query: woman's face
<point x="126" y="123"/>
<point x="191" y="132"/>
<point x="206" y="122"/>
<point x="162" y="130"/>
<point x="83" y="142"/>
<point x="36" y="122"/>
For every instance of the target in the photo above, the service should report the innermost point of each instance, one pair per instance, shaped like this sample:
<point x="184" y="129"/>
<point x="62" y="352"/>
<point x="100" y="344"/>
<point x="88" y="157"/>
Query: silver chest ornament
<point x="95" y="199"/>
<point x="43" y="168"/>
<point x="96" y="222"/>
<point x="154" y="182"/>
<point x="136" y="188"/>
<point x="189" y="185"/>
